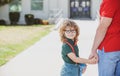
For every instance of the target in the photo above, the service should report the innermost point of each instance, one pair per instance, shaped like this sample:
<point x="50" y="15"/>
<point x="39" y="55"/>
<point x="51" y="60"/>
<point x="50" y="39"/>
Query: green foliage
<point x="3" y="2"/>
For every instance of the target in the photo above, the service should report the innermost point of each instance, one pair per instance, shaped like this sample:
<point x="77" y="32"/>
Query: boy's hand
<point x="92" y="61"/>
<point x="94" y="55"/>
<point x="83" y="71"/>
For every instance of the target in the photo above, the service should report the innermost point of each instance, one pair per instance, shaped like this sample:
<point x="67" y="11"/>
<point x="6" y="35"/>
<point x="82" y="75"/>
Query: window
<point x="15" y="6"/>
<point x="36" y="4"/>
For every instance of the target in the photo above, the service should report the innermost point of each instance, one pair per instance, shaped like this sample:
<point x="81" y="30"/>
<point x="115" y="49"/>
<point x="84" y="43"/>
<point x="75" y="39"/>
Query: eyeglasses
<point x="70" y="31"/>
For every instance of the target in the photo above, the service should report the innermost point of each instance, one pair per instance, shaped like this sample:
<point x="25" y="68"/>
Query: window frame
<point x="37" y="2"/>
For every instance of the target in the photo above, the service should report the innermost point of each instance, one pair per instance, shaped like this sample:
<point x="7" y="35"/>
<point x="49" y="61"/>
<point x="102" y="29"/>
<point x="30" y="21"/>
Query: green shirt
<point x="66" y="49"/>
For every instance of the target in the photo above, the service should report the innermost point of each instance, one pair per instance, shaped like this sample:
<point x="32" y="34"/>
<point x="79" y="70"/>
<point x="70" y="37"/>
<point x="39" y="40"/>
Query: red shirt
<point x="111" y="9"/>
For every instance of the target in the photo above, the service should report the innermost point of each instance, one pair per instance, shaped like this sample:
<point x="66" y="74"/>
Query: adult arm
<point x="100" y="34"/>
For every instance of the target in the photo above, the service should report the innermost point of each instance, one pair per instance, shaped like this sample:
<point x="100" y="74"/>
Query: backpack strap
<point x="70" y="47"/>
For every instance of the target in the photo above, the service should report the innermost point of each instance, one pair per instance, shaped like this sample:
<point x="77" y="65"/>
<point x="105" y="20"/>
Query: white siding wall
<point x="64" y="5"/>
<point x="48" y="5"/>
<point x="4" y="13"/>
<point x="94" y="8"/>
<point x="60" y="4"/>
<point x="26" y="9"/>
<point x="53" y="4"/>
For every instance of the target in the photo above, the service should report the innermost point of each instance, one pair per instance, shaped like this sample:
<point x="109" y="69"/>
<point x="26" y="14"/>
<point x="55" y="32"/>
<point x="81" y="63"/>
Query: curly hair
<point x="71" y="24"/>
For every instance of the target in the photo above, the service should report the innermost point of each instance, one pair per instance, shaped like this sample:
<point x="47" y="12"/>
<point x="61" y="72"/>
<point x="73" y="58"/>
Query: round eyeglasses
<point x="70" y="31"/>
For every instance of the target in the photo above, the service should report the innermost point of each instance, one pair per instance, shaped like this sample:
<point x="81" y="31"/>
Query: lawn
<point x="15" y="39"/>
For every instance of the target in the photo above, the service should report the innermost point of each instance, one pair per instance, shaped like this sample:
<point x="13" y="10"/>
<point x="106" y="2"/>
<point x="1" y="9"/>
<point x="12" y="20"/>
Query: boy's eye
<point x="70" y="31"/>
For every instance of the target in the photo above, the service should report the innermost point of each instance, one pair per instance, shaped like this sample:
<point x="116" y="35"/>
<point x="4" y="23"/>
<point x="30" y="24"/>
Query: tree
<point x="3" y="2"/>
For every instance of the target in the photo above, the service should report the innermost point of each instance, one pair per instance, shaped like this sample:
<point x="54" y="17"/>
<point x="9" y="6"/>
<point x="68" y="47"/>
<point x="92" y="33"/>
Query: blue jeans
<point x="109" y="63"/>
<point x="72" y="69"/>
<point x="81" y="66"/>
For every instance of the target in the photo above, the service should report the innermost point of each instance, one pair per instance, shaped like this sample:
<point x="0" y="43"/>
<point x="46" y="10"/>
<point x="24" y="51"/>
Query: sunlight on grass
<point x="15" y="39"/>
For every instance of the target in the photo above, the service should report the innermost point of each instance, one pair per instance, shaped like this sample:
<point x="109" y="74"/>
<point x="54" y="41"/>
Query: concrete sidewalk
<point x="44" y="57"/>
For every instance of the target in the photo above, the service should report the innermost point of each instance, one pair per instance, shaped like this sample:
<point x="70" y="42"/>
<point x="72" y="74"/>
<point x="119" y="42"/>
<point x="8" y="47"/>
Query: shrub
<point x="29" y="19"/>
<point x="2" y="22"/>
<point x="36" y="21"/>
<point x="14" y="17"/>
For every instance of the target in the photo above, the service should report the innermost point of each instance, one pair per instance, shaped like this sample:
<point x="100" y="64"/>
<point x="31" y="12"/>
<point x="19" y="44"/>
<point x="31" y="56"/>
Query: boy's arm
<point x="75" y="59"/>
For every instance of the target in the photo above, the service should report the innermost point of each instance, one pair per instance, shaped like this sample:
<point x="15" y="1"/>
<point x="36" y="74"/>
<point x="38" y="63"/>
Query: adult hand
<point x="94" y="55"/>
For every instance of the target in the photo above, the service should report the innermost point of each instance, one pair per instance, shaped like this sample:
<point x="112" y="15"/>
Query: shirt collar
<point x="70" y="41"/>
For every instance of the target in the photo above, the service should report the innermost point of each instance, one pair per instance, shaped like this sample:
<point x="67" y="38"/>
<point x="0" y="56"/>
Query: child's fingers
<point x="83" y="71"/>
<point x="93" y="61"/>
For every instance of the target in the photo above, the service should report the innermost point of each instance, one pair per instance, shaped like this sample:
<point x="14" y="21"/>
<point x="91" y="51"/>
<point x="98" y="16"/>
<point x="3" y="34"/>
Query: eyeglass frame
<point x="70" y="31"/>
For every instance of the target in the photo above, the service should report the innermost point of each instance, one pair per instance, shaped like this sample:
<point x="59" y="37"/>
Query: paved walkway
<point x="44" y="58"/>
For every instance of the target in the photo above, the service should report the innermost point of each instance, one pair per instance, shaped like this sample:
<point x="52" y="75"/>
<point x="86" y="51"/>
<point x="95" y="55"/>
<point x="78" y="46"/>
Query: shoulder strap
<point x="70" y="46"/>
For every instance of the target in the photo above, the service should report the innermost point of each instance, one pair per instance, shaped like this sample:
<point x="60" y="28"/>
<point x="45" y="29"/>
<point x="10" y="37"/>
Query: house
<point x="46" y="9"/>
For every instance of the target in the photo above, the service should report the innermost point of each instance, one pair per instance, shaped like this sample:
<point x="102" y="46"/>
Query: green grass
<point x="15" y="39"/>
